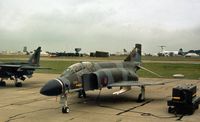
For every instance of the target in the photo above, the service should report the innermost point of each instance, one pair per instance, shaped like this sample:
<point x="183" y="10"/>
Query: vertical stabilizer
<point x="135" y="55"/>
<point x="35" y="58"/>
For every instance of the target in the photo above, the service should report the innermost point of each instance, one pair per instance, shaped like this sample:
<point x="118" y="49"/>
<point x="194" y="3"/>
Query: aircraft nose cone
<point x="52" y="88"/>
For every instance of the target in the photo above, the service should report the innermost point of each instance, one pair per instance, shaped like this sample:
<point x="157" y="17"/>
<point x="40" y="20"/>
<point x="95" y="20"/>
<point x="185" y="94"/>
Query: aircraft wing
<point x="33" y="67"/>
<point x="134" y="83"/>
<point x="20" y="67"/>
<point x="8" y="67"/>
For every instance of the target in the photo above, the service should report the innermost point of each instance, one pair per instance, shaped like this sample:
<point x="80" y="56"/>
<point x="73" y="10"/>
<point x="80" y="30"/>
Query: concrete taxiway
<point x="27" y="105"/>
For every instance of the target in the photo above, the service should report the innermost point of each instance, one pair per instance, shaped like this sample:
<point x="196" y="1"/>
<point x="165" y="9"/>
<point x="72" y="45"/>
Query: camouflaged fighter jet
<point x="84" y="76"/>
<point x="18" y="71"/>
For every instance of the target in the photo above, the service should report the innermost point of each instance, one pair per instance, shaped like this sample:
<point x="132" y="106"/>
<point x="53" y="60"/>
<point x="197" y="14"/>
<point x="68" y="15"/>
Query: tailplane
<point x="35" y="58"/>
<point x="135" y="55"/>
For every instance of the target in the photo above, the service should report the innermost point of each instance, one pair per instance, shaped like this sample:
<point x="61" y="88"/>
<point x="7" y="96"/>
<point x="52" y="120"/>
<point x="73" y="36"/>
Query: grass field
<point x="149" y="58"/>
<point x="191" y="71"/>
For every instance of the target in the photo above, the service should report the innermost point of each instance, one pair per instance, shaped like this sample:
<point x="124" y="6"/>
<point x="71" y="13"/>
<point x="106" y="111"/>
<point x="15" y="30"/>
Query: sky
<point x="106" y="25"/>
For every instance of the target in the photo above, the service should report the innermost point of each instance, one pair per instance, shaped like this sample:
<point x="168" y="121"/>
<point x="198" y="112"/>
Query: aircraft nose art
<point x="52" y="88"/>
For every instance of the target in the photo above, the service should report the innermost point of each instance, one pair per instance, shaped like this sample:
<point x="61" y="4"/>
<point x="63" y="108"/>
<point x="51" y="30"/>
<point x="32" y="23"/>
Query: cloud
<point x="99" y="24"/>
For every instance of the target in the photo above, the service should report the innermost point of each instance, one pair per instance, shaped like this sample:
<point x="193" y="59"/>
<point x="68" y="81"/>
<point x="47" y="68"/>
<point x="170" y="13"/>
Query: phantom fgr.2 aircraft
<point x="84" y="76"/>
<point x="18" y="71"/>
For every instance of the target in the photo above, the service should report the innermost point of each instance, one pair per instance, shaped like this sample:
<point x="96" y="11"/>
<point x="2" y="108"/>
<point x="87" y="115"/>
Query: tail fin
<point x="135" y="55"/>
<point x="35" y="58"/>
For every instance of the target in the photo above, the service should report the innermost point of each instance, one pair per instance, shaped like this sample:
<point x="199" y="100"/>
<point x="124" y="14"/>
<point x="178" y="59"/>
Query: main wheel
<point x="65" y="109"/>
<point x="191" y="110"/>
<point x="84" y="94"/>
<point x="2" y="83"/>
<point x="81" y="94"/>
<point x="19" y="84"/>
<point x="197" y="106"/>
<point x="140" y="98"/>
<point x="170" y="110"/>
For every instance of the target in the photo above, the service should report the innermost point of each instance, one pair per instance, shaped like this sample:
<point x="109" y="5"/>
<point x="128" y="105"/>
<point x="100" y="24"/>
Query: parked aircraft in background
<point x="191" y="55"/>
<point x="18" y="71"/>
<point x="170" y="53"/>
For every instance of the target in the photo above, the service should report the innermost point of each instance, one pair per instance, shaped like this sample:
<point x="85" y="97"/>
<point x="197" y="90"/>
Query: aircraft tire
<point x="170" y="110"/>
<point x="65" y="109"/>
<point x="140" y="98"/>
<point x="19" y="84"/>
<point x="81" y="94"/>
<point x="84" y="94"/>
<point x="197" y="106"/>
<point x="2" y="83"/>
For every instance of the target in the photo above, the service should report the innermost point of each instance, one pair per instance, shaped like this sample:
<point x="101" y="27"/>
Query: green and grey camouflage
<point x="84" y="76"/>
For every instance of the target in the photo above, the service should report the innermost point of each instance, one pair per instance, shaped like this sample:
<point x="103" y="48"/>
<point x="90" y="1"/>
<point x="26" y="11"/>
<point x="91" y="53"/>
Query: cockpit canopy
<point x="77" y="67"/>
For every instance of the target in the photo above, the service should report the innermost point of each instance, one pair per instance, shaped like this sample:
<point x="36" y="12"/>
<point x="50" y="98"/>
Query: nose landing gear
<point x="63" y="102"/>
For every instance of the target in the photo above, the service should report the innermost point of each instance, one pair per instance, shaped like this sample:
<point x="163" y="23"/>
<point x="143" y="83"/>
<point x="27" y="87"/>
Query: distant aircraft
<point x="191" y="55"/>
<point x="84" y="76"/>
<point x="18" y="71"/>
<point x="170" y="53"/>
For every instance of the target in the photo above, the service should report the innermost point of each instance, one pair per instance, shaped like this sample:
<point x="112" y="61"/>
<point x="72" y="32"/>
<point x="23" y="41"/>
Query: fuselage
<point x="106" y="72"/>
<point x="85" y="76"/>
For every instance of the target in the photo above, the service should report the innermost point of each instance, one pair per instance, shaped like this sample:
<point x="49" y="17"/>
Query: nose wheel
<point x="63" y="102"/>
<point x="65" y="109"/>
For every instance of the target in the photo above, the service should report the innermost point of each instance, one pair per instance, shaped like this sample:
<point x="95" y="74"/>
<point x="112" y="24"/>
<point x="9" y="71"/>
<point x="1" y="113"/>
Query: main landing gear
<point x="81" y="94"/>
<point x="141" y="96"/>
<point x="2" y="83"/>
<point x="18" y="83"/>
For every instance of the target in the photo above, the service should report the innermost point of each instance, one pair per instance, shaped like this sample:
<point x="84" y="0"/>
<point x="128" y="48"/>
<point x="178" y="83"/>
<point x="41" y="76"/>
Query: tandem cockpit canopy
<point x="77" y="67"/>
